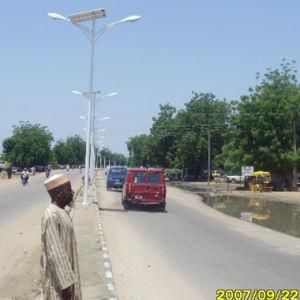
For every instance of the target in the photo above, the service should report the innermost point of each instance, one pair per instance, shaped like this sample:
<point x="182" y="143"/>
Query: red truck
<point x="144" y="187"/>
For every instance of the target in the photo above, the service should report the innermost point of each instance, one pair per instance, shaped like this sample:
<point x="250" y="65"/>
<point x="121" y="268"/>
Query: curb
<point x="105" y="255"/>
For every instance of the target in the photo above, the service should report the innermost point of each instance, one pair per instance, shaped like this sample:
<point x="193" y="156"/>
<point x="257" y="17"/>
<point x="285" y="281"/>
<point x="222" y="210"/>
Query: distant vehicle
<point x="190" y="177"/>
<point x="40" y="168"/>
<point x="259" y="181"/>
<point x="235" y="178"/>
<point x="24" y="177"/>
<point x="16" y="169"/>
<point x="115" y="177"/>
<point x="47" y="172"/>
<point x="144" y="187"/>
<point x="220" y="179"/>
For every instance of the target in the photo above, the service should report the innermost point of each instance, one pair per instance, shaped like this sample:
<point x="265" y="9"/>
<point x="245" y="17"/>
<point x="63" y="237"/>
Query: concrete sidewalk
<point x="90" y="243"/>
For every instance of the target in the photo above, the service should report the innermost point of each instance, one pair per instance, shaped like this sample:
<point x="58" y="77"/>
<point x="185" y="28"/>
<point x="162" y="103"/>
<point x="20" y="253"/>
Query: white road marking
<point x="108" y="274"/>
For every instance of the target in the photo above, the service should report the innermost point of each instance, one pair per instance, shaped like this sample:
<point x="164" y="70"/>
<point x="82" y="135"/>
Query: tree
<point x="179" y="140"/>
<point x="263" y="130"/>
<point x="163" y="135"/>
<point x="108" y="156"/>
<point x="139" y="150"/>
<point x="71" y="151"/>
<point x="203" y="113"/>
<point x="30" y="144"/>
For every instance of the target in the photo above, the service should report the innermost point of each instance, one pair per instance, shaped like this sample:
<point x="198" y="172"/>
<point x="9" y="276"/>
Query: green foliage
<point x="258" y="130"/>
<point x="262" y="130"/>
<point x="30" y="144"/>
<point x="179" y="140"/>
<point x="106" y="157"/>
<point x="71" y="151"/>
<point x="139" y="148"/>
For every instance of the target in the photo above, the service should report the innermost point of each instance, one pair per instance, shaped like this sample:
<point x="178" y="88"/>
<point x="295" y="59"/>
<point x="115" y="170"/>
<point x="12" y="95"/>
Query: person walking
<point x="59" y="259"/>
<point x="9" y="171"/>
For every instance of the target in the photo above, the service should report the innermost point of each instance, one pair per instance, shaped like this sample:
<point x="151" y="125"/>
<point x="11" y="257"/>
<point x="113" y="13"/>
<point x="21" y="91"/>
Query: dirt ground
<point x="5" y="180"/>
<point x="19" y="257"/>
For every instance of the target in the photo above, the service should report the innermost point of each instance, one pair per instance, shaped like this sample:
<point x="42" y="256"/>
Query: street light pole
<point x="93" y="131"/>
<point x="93" y="36"/>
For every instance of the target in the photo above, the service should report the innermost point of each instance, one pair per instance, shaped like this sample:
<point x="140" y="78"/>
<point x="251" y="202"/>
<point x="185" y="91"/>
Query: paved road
<point x="16" y="199"/>
<point x="193" y="250"/>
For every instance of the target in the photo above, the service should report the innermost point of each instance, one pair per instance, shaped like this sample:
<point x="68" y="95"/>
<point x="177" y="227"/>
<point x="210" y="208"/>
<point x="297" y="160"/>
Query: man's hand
<point x="68" y="293"/>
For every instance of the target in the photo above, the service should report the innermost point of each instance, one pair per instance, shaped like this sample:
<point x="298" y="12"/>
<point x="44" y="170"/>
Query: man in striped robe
<point x="59" y="260"/>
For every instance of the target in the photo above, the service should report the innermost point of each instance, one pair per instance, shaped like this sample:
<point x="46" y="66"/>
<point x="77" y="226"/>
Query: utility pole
<point x="295" y="152"/>
<point x="208" y="159"/>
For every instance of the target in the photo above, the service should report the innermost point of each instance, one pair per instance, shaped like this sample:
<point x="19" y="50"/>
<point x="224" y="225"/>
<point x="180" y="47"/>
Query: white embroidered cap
<point x="55" y="181"/>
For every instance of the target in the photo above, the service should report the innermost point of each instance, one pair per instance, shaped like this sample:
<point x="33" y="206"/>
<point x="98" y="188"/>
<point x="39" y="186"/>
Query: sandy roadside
<point x="19" y="256"/>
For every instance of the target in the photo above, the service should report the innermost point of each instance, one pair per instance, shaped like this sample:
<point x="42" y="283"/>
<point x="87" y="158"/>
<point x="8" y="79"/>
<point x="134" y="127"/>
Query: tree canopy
<point x="70" y="151"/>
<point x="261" y="129"/>
<point x="30" y="144"/>
<point x="262" y="132"/>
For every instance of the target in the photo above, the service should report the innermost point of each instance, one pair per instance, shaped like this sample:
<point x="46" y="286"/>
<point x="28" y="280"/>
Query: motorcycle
<point x="24" y="178"/>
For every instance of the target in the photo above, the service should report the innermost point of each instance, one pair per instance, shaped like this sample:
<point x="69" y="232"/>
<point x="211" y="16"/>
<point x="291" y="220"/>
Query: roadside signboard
<point x="247" y="170"/>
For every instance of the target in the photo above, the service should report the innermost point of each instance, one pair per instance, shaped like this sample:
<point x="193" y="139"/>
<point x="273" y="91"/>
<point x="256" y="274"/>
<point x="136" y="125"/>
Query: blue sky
<point x="176" y="48"/>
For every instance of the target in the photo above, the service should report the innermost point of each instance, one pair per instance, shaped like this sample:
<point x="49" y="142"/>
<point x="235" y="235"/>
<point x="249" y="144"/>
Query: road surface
<point x="16" y="199"/>
<point x="192" y="250"/>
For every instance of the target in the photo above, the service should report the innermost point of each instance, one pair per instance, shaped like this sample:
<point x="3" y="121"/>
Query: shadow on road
<point x="112" y="209"/>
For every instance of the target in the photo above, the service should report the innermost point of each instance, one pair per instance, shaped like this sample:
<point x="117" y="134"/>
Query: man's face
<point x="63" y="195"/>
<point x="67" y="193"/>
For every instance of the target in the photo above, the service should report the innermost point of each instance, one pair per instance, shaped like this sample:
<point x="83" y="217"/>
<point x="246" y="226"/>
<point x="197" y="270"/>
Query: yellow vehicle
<point x="260" y="181"/>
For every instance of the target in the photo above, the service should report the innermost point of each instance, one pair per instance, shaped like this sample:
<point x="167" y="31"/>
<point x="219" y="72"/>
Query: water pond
<point x="283" y="217"/>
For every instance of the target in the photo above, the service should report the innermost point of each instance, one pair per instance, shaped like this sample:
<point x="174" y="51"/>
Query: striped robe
<point x="59" y="260"/>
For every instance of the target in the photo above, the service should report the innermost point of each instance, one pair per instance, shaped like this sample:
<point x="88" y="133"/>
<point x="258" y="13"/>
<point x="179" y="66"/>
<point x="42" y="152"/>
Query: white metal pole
<point x="96" y="157"/>
<point x="92" y="158"/>
<point x="208" y="159"/>
<point x="100" y="156"/>
<point x="87" y="154"/>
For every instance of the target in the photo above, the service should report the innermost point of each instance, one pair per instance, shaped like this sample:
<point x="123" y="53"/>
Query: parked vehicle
<point x="115" y="177"/>
<point x="190" y="177"/>
<point x="40" y="168"/>
<point x="220" y="179"/>
<point x="259" y="181"/>
<point x="235" y="178"/>
<point x="16" y="169"/>
<point x="144" y="187"/>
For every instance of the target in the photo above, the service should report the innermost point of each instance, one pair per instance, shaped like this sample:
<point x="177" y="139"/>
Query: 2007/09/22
<point x="259" y="294"/>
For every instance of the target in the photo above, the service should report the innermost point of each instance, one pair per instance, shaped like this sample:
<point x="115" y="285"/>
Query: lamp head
<point x="56" y="16"/>
<point x="77" y="93"/>
<point x="131" y="19"/>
